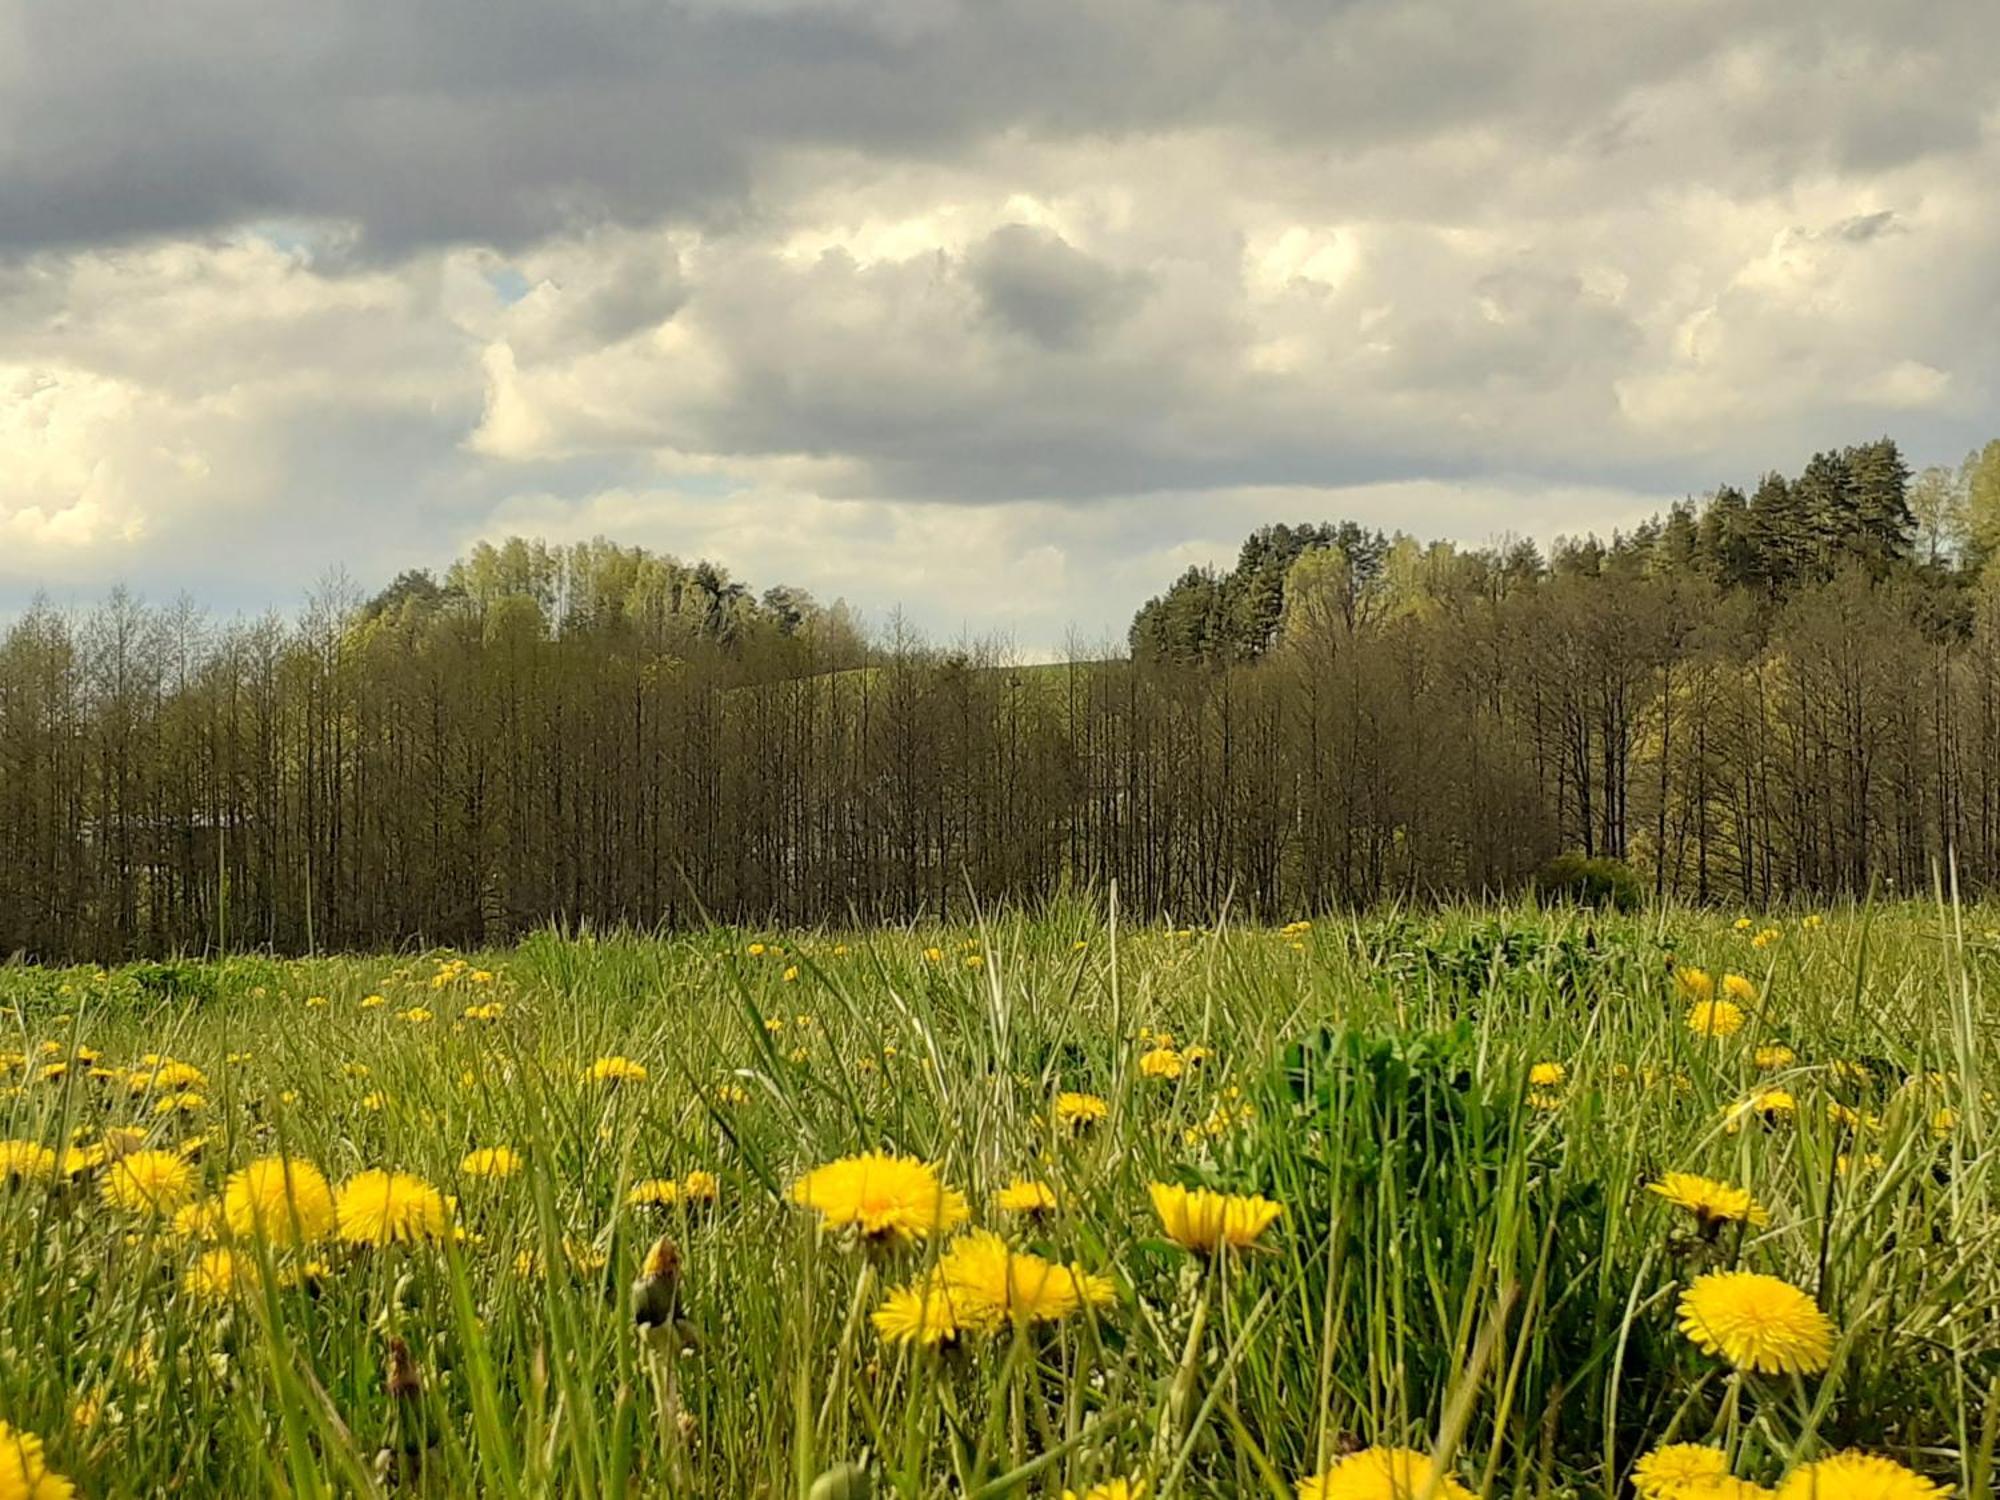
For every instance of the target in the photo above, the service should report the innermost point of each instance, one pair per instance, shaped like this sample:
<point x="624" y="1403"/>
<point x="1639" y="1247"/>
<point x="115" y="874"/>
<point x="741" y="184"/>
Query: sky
<point x="998" y="312"/>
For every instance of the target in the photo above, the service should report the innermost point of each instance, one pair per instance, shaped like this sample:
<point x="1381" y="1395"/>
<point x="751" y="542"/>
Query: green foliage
<point x="1582" y="881"/>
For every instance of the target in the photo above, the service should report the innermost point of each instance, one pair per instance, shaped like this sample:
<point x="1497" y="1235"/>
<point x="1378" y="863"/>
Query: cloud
<point x="1037" y="297"/>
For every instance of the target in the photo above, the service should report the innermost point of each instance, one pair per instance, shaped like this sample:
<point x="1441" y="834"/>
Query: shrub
<point x="1573" y="879"/>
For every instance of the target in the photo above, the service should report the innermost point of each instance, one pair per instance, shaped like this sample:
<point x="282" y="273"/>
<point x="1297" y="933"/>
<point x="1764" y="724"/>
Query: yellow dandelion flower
<point x="492" y="1010"/>
<point x="1080" y="1111"/>
<point x="1201" y="1220"/>
<point x="491" y="1161"/>
<point x="1774" y="1055"/>
<point x="1765" y="938"/>
<point x="881" y="1195"/>
<point x="148" y="1182"/>
<point x="1712" y="1203"/>
<point x="991" y="1283"/>
<point x="701" y="1187"/>
<point x="1662" y="1473"/>
<point x="416" y="1015"/>
<point x="1022" y="1196"/>
<point x="1548" y="1075"/>
<point x="202" y="1220"/>
<point x="373" y="1002"/>
<point x="1383" y="1474"/>
<point x="1163" y="1062"/>
<point x="1858" y="1476"/>
<point x="382" y="1208"/>
<point x="1744" y="924"/>
<point x="1695" y="983"/>
<point x="616" y="1069"/>
<point x="1737" y="988"/>
<point x="217" y="1275"/>
<point x="1757" y="1322"/>
<point x="653" y="1192"/>
<point x="1111" y="1489"/>
<point x="285" y="1199"/>
<point x="26" y="1161"/>
<point x="24" y="1471"/>
<point x="1715" y="1018"/>
<point x="921" y="1313"/>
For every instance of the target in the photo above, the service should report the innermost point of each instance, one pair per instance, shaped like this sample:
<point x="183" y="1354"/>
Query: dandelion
<point x="615" y="1070"/>
<point x="1201" y="1220"/>
<point x="492" y="1010"/>
<point x="701" y="1187"/>
<point x="148" y="1182"/>
<point x="1383" y="1474"/>
<point x="199" y="1221"/>
<point x="1695" y="983"/>
<point x="1715" y="1018"/>
<point x="1163" y="1063"/>
<point x="921" y="1313"/>
<point x="373" y="1002"/>
<point x="382" y="1208"/>
<point x="1661" y="1474"/>
<point x="284" y="1199"/>
<point x="1080" y="1111"/>
<point x="653" y="1192"/>
<point x="165" y="1076"/>
<point x="491" y="1161"/>
<point x="1765" y="938"/>
<point x="1757" y="1323"/>
<point x="1858" y="1476"/>
<point x="1548" y="1075"/>
<point x="1739" y="989"/>
<point x="24" y="1472"/>
<point x="992" y="1283"/>
<point x="1712" y="1203"/>
<point x="216" y="1275"/>
<point x="882" y="1196"/>
<point x="1744" y="924"/>
<point x="416" y="1015"/>
<point x="26" y="1161"/>
<point x="1772" y="1056"/>
<point x="1022" y="1196"/>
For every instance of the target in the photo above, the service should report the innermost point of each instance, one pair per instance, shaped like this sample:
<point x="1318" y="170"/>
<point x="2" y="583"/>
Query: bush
<point x="1578" y="881"/>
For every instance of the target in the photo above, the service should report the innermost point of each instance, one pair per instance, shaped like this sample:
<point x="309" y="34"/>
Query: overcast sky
<point x="1002" y="311"/>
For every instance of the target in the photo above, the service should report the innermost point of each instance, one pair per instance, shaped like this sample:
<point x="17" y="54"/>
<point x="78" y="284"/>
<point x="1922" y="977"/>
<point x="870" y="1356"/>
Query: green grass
<point x="1460" y="1267"/>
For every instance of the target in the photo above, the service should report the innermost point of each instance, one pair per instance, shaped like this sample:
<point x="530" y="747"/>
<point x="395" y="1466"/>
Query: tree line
<point x="1793" y="693"/>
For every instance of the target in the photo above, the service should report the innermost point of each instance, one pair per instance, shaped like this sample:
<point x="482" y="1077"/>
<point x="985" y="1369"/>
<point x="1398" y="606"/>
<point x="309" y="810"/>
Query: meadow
<point x="1488" y="1201"/>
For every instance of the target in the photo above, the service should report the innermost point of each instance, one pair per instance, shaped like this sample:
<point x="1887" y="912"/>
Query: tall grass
<point x="1468" y="1264"/>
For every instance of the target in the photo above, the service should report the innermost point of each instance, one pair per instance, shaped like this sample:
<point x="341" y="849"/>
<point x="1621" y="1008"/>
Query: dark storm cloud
<point x="497" y="121"/>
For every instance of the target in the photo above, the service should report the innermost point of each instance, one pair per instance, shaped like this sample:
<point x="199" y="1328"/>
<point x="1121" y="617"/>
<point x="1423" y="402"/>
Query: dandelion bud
<point x="656" y="1291"/>
<point x="842" y="1482"/>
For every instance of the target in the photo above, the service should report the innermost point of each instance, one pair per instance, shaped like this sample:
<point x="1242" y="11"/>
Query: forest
<point x="1789" y="693"/>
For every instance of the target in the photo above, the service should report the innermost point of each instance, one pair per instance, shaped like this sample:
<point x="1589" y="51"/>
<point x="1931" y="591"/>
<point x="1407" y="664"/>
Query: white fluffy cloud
<point x="1003" y="312"/>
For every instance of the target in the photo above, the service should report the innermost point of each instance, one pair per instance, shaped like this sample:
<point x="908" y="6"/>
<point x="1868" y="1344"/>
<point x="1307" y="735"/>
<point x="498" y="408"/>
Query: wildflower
<point x="616" y="1069"/>
<point x="1545" y="1103"/>
<point x="1765" y="938"/>
<point x="731" y="1094"/>
<point x="1111" y="1489"/>
<point x="1196" y="1055"/>
<point x="26" y="1161"/>
<point x="1774" y="1055"/>
<point x="1813" y="922"/>
<point x="1080" y="1111"/>
<point x="1944" y="1121"/>
<point x="1850" y="1118"/>
<point x="490" y="1011"/>
<point x="166" y="1076"/>
<point x="201" y="1220"/>
<point x="1872" y="1161"/>
<point x="1757" y="1323"/>
<point x="315" y="1002"/>
<point x="1696" y="983"/>
<point x="416" y="1015"/>
<point x="700" y="1187"/>
<point x="24" y="1472"/>
<point x="1662" y="1473"/>
<point x="654" y="1192"/>
<point x="1737" y="988"/>
<point x="148" y="1182"/>
<point x="1201" y="1220"/>
<point x="1383" y="1474"/>
<point x="992" y="1283"/>
<point x="934" y="955"/>
<point x="180" y="1104"/>
<point x="1163" y="1062"/>
<point x="755" y="950"/>
<point x="921" y="1313"/>
<point x="381" y="1208"/>
<point x="881" y="1195"/>
<point x="1715" y="1018"/>
<point x="1858" y="1476"/>
<point x="216" y="1275"/>
<point x="1712" y="1203"/>
<point x="372" y="1002"/>
<point x="1744" y="924"/>
<point x="491" y="1161"/>
<point x="284" y="1199"/>
<point x="1024" y="1197"/>
<point x="1548" y="1075"/>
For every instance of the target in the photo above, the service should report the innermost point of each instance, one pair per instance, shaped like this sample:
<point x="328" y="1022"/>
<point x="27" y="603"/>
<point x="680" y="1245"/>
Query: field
<point x="605" y="1264"/>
